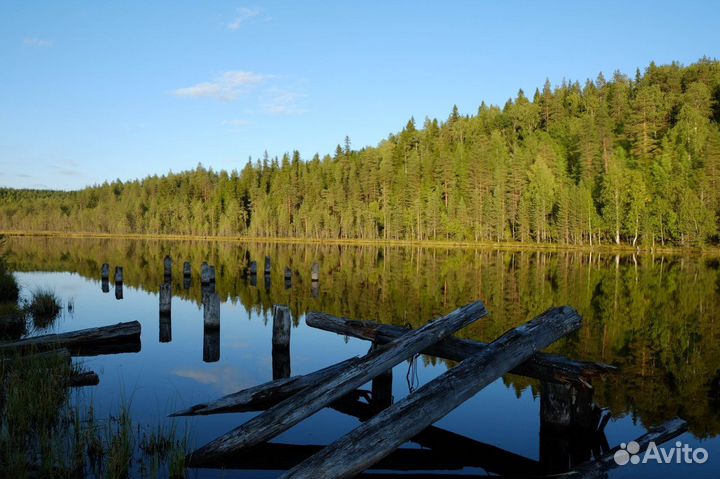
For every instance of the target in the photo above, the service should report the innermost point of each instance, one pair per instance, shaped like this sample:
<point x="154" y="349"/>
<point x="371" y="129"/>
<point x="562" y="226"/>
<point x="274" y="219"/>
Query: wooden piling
<point x="211" y="273"/>
<point x="118" y="274"/>
<point x="105" y="272"/>
<point x="211" y="311"/>
<point x="281" y="341"/>
<point x="187" y="270"/>
<point x="268" y="268"/>
<point x="204" y="273"/>
<point x="167" y="264"/>
<point x="165" y="299"/>
<point x="119" y="290"/>
<point x="211" y="344"/>
<point x="253" y="268"/>
<point x="315" y="272"/>
<point x="288" y="277"/>
<point x="286" y="414"/>
<point x="382" y="434"/>
<point x="105" y="285"/>
<point x="165" y="328"/>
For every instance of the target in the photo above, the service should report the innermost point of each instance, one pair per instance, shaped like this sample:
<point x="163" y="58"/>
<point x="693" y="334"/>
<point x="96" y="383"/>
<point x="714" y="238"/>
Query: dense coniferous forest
<point x="616" y="160"/>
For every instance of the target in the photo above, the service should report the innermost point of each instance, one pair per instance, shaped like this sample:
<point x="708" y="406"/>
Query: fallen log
<point x="600" y="467"/>
<point x="543" y="366"/>
<point x="382" y="434"/>
<point x="78" y="380"/>
<point x="291" y="411"/>
<point x="264" y="396"/>
<point x="79" y="342"/>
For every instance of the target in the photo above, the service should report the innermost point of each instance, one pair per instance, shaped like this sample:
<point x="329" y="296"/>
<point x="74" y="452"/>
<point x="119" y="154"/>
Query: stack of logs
<point x="287" y="400"/>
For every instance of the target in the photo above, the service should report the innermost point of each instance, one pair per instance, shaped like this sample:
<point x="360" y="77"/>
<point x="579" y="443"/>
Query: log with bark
<point x="82" y="342"/>
<point x="382" y="434"/>
<point x="291" y="411"/>
<point x="543" y="366"/>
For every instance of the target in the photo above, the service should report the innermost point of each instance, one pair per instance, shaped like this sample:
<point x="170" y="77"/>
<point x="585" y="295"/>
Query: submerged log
<point x="291" y="411"/>
<point x="382" y="434"/>
<point x="281" y="341"/>
<point x="543" y="366"/>
<point x="78" y="380"/>
<point x="599" y="468"/>
<point x="79" y="342"/>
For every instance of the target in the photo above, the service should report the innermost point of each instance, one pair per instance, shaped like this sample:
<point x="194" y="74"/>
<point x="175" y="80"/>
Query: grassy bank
<point x="506" y="245"/>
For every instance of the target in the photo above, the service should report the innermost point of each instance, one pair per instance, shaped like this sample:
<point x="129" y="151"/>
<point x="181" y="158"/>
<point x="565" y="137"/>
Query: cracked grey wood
<point x="291" y="411"/>
<point x="382" y="434"/>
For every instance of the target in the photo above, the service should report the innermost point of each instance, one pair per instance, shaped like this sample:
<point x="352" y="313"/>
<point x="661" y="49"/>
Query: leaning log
<point x="78" y="341"/>
<point x="600" y="467"/>
<point x="264" y="396"/>
<point x="382" y="434"/>
<point x="78" y="380"/>
<point x="543" y="366"/>
<point x="291" y="411"/>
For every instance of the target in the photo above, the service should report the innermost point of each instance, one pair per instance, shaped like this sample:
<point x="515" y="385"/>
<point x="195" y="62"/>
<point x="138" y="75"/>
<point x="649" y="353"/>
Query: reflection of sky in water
<point x="165" y="377"/>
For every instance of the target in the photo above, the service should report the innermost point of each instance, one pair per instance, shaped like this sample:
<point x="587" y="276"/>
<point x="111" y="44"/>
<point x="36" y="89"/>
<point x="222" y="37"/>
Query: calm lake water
<point x="656" y="317"/>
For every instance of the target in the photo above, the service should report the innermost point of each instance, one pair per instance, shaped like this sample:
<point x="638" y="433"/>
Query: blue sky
<point x="93" y="91"/>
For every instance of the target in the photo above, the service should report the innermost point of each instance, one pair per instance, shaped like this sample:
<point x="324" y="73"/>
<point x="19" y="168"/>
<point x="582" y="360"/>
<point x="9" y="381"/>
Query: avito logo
<point x="680" y="454"/>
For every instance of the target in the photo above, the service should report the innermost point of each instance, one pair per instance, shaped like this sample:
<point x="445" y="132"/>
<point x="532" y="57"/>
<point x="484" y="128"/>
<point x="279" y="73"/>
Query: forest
<point x="624" y="160"/>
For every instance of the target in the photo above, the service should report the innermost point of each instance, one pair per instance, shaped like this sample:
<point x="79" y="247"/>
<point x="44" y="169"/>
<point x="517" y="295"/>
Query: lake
<point x="655" y="317"/>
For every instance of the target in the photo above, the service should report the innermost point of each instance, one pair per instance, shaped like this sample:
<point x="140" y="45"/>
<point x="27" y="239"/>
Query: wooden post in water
<point x="569" y="421"/>
<point x="268" y="282"/>
<point x="211" y="328"/>
<point x="382" y="434"/>
<point x="288" y="277"/>
<point x="268" y="268"/>
<point x="105" y="272"/>
<point x="315" y="272"/>
<point x="187" y="275"/>
<point x="165" y="308"/>
<point x="253" y="268"/>
<point x="118" y="282"/>
<point x="204" y="273"/>
<point x="167" y="263"/>
<point x="291" y="411"/>
<point x="281" y="341"/>
<point x="212" y="274"/>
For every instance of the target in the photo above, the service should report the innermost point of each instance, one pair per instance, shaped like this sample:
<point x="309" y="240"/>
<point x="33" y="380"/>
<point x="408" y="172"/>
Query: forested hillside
<point x="620" y="160"/>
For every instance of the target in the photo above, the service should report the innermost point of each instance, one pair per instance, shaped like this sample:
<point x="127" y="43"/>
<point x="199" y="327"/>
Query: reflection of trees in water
<point x="658" y="318"/>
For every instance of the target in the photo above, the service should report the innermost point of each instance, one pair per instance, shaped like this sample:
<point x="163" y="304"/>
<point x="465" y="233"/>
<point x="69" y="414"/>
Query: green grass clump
<point x="44" y="307"/>
<point x="13" y="324"/>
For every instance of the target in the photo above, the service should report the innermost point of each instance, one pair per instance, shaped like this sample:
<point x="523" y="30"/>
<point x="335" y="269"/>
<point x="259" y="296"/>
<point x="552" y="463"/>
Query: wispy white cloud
<point x="228" y="86"/>
<point x="283" y="102"/>
<point x="37" y="42"/>
<point x="243" y="15"/>
<point x="237" y="123"/>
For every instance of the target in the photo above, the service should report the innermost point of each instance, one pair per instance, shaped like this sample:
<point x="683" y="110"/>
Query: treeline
<point x="612" y="161"/>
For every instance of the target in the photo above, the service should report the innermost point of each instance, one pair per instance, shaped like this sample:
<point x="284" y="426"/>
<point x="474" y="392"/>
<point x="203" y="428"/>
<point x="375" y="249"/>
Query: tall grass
<point x="44" y="307"/>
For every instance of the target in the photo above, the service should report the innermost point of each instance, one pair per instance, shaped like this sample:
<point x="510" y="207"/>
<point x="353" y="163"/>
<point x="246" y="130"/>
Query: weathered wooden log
<point x="600" y="467"/>
<point x="382" y="434"/>
<point x="78" y="341"/>
<point x="282" y="320"/>
<point x="268" y="267"/>
<point x="315" y="272"/>
<point x="204" y="273"/>
<point x="264" y="396"/>
<point x="293" y="410"/>
<point x="167" y="267"/>
<point x="211" y="310"/>
<point x="118" y="274"/>
<point x="187" y="270"/>
<point x="253" y="268"/>
<point x="78" y="380"/>
<point x="543" y="366"/>
<point x="211" y="344"/>
<point x="105" y="271"/>
<point x="165" y="299"/>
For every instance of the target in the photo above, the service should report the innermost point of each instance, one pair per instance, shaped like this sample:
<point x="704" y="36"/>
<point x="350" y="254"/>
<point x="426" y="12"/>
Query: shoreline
<point x="506" y="246"/>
